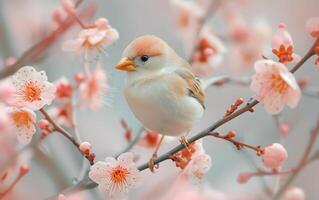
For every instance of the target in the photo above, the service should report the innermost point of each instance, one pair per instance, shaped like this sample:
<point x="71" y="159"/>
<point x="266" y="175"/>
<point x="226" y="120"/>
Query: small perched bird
<point x="161" y="90"/>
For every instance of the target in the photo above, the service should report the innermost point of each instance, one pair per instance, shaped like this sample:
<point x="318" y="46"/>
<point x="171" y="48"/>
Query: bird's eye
<point x="144" y="58"/>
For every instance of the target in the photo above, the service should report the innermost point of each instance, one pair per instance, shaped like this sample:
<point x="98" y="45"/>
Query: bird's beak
<point x="126" y="64"/>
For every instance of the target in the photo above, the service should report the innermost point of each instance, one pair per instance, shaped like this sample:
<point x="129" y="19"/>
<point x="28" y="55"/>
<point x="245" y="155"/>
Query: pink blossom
<point x="68" y="6"/>
<point x="275" y="86"/>
<point x="63" y="89"/>
<point x="294" y="193"/>
<point x="79" y="77"/>
<point x="85" y="147"/>
<point x="188" y="15"/>
<point x="312" y="26"/>
<point x="58" y="15"/>
<point x="283" y="46"/>
<point x="23" y="123"/>
<point x="93" y="88"/>
<point x="74" y="196"/>
<point x="62" y="114"/>
<point x="284" y="128"/>
<point x="209" y="54"/>
<point x="115" y="177"/>
<point x="274" y="155"/>
<point x="244" y="177"/>
<point x="28" y="29"/>
<point x="197" y="168"/>
<point x="182" y="190"/>
<point x="237" y="27"/>
<point x="10" y="61"/>
<point x="61" y="197"/>
<point x="43" y="124"/>
<point x="7" y="91"/>
<point x="32" y="89"/>
<point x="93" y="39"/>
<point x="4" y="120"/>
<point x="249" y="41"/>
<point x="102" y="23"/>
<point x="197" y="163"/>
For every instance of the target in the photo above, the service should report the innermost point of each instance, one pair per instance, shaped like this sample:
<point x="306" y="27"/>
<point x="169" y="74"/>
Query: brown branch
<point x="132" y="143"/>
<point x="38" y="49"/>
<point x="302" y="162"/>
<point x="65" y="133"/>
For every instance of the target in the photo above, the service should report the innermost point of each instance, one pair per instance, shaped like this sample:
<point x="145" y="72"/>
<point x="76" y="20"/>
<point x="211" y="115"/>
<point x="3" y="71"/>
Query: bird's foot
<point x="185" y="142"/>
<point x="151" y="163"/>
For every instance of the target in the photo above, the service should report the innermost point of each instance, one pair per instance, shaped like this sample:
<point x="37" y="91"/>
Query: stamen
<point x="283" y="54"/>
<point x="21" y="117"/>
<point x="31" y="92"/>
<point x="119" y="174"/>
<point x="278" y="84"/>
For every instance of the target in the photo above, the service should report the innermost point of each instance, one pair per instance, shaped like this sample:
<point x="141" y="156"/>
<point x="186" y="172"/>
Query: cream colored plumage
<point x="160" y="87"/>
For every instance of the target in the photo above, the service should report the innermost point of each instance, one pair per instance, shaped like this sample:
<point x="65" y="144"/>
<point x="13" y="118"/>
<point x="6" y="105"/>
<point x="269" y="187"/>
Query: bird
<point x="161" y="89"/>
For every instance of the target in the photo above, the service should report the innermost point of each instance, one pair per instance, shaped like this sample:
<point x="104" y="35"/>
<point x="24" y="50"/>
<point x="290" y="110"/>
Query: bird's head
<point x="146" y="54"/>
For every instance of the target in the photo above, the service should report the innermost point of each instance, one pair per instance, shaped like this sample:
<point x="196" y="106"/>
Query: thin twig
<point x="259" y="151"/>
<point x="65" y="133"/>
<point x="14" y="183"/>
<point x="132" y="143"/>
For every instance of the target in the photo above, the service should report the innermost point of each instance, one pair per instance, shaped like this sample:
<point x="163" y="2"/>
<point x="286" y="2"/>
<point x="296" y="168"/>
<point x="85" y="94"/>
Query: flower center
<point x="278" y="84"/>
<point x="21" y="118"/>
<point x="284" y="55"/>
<point x="32" y="92"/>
<point x="119" y="174"/>
<point x="202" y="47"/>
<point x="87" y="45"/>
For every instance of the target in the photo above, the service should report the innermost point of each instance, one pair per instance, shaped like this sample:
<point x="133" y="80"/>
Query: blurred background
<point x="24" y="22"/>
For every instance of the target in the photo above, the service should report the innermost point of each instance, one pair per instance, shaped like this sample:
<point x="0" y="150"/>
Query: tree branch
<point x="259" y="151"/>
<point x="66" y="134"/>
<point x="39" y="48"/>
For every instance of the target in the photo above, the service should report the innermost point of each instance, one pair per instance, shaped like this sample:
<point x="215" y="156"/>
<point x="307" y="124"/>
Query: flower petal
<point x="99" y="171"/>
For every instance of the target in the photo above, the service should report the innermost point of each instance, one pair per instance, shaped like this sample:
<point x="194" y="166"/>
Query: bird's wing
<point x="193" y="83"/>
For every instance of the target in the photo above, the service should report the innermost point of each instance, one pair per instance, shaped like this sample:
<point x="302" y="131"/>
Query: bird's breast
<point x="163" y="106"/>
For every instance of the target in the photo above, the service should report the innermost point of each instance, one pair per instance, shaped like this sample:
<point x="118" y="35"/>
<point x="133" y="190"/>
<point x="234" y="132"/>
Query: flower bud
<point x="244" y="177"/>
<point x="43" y="124"/>
<point x="85" y="148"/>
<point x="294" y="193"/>
<point x="312" y="26"/>
<point x="274" y="155"/>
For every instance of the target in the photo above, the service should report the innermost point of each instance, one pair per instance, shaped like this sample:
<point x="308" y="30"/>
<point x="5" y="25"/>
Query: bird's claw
<point x="151" y="163"/>
<point x="184" y="142"/>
